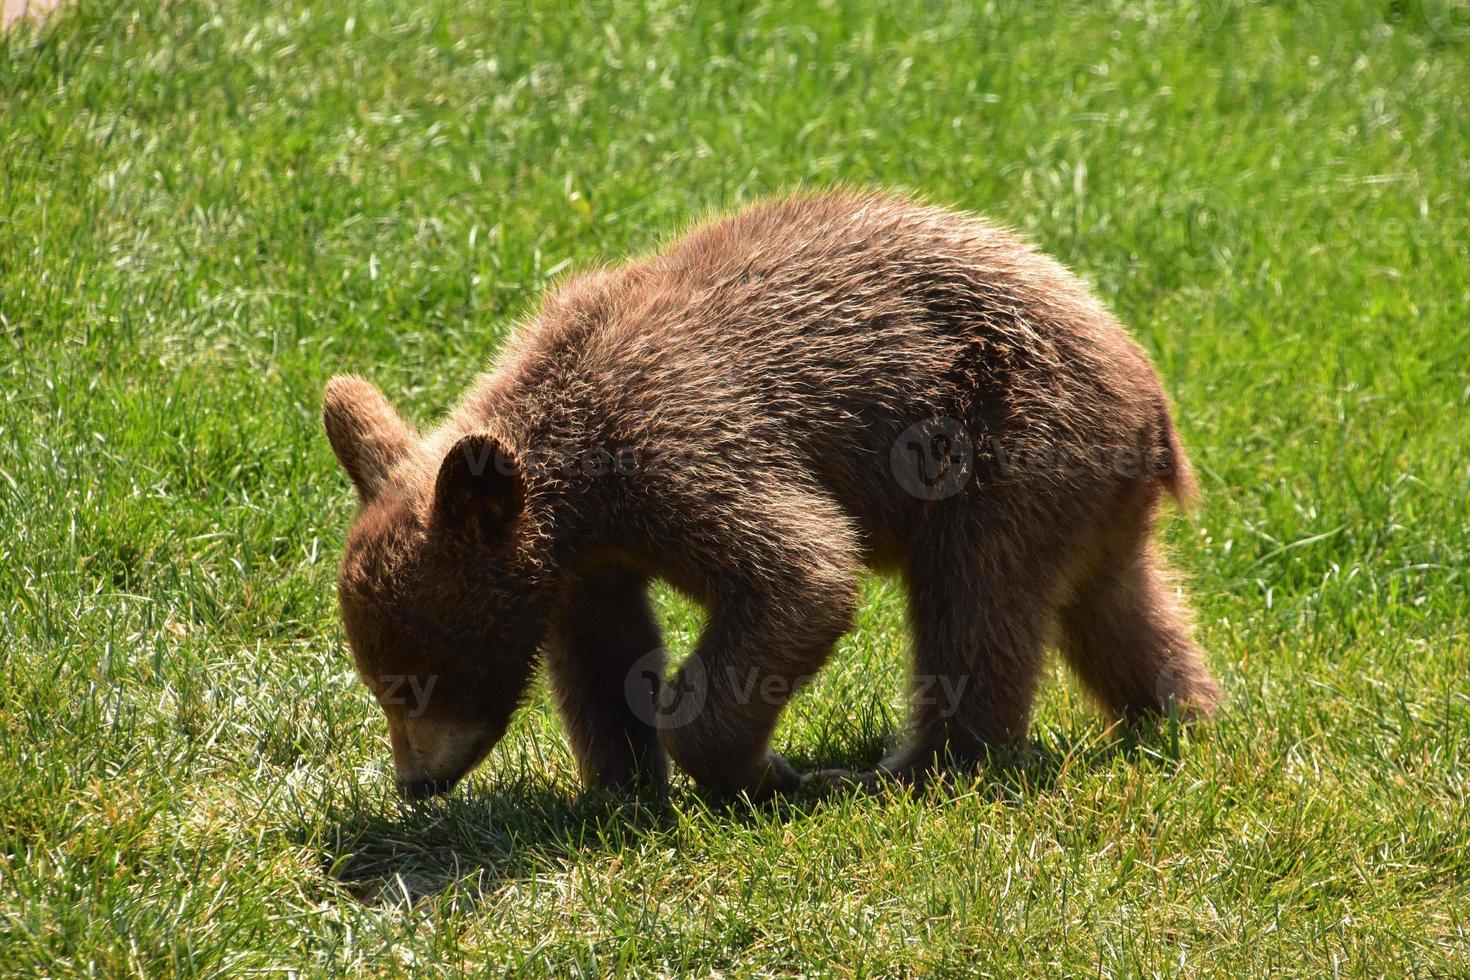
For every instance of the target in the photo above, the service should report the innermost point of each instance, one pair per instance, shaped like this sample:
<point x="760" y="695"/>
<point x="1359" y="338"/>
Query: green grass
<point x="207" y="208"/>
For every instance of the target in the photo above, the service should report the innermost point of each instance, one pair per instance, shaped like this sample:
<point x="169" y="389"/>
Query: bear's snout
<point x="422" y="789"/>
<point x="430" y="757"/>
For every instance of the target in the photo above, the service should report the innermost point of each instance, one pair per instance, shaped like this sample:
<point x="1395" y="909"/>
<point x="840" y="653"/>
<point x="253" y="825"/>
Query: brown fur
<point x="754" y="380"/>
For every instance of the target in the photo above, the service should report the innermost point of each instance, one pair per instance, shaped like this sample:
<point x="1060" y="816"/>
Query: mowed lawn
<point x="207" y="208"/>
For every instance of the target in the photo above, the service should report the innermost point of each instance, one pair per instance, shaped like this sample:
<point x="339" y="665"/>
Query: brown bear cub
<point x="781" y="399"/>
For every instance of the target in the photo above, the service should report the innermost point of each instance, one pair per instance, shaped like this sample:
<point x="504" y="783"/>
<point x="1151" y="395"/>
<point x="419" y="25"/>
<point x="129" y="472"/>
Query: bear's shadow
<point x="479" y="839"/>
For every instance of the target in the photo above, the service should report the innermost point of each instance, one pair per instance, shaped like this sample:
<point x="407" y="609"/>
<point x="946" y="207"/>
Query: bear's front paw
<point x="775" y="777"/>
<point x="843" y="781"/>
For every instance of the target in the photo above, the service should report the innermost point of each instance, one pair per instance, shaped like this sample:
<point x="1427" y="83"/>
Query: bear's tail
<point x="1175" y="474"/>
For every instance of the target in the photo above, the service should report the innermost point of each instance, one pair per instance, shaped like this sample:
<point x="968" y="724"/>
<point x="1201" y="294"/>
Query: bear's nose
<point x="420" y="789"/>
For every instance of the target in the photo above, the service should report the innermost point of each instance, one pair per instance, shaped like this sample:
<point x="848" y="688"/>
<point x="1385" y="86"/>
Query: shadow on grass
<point x="477" y="839"/>
<point x="470" y="844"/>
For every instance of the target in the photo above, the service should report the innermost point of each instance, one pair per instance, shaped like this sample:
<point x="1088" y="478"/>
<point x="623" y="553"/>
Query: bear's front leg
<point x="775" y="560"/>
<point x="605" y="656"/>
<point x="716" y="715"/>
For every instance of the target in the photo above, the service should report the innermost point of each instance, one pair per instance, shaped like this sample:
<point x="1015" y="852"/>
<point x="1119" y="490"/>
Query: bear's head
<point x="436" y="596"/>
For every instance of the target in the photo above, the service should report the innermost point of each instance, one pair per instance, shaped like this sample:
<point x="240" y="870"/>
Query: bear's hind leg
<point x="1129" y="637"/>
<point x="979" y="608"/>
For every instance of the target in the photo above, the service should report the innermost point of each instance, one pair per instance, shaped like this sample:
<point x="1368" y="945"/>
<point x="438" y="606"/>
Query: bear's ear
<point x="479" y="492"/>
<point x="367" y="435"/>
